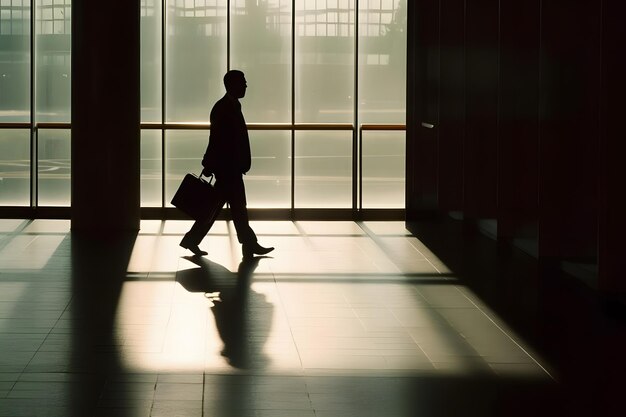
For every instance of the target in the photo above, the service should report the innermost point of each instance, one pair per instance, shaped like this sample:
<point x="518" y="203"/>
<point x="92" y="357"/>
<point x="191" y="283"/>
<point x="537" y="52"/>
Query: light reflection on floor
<point x="343" y="319"/>
<point x="333" y="296"/>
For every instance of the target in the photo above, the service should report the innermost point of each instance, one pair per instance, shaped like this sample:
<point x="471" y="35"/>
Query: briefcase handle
<point x="210" y="177"/>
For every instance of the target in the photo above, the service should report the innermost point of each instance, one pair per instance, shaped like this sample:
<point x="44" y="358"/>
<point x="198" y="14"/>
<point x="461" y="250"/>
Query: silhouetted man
<point x="228" y="157"/>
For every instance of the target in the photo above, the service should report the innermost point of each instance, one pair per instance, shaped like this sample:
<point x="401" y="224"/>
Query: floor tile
<point x="342" y="319"/>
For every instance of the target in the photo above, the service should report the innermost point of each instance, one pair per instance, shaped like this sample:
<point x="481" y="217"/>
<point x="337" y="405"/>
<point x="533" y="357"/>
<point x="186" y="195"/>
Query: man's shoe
<point x="194" y="248"/>
<point x="251" y="249"/>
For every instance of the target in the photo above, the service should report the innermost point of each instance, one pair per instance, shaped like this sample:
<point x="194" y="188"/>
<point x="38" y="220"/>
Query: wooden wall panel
<point x="518" y="125"/>
<point x="569" y="128"/>
<point x="423" y="105"/>
<point x="612" y="222"/>
<point x="530" y="108"/>
<point x="481" y="104"/>
<point x="452" y="105"/>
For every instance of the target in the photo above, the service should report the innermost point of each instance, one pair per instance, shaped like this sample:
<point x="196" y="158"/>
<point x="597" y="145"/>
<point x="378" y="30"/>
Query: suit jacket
<point x="228" y="151"/>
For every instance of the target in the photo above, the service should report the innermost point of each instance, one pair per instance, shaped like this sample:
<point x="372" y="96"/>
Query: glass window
<point x="14" y="63"/>
<point x="151" y="171"/>
<point x="383" y="169"/>
<point x="268" y="184"/>
<point x="261" y="48"/>
<point x="195" y="59"/>
<point x="54" y="167"/>
<point x="382" y="61"/>
<point x="382" y="93"/>
<point x="324" y="63"/>
<point x="14" y="167"/>
<point x="53" y="18"/>
<point x="184" y="150"/>
<point x="198" y="51"/>
<point x="323" y="169"/>
<point x="53" y="61"/>
<point x="151" y="61"/>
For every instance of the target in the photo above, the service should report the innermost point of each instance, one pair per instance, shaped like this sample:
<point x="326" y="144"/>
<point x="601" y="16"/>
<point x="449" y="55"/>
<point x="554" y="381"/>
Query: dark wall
<point x="423" y="92"/>
<point x="481" y="108"/>
<point x="518" y="118"/>
<point x="525" y="99"/>
<point x="612" y="169"/>
<point x="569" y="127"/>
<point x="451" y="127"/>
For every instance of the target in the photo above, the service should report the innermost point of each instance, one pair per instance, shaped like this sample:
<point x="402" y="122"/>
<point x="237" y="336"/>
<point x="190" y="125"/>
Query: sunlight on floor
<point x="335" y="296"/>
<point x="29" y="245"/>
<point x="343" y="319"/>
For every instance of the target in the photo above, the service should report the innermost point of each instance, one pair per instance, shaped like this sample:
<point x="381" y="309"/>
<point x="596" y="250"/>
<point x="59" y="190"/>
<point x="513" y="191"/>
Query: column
<point x="105" y="116"/>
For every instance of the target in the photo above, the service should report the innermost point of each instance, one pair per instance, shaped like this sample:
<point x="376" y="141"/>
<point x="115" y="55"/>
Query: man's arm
<point x="218" y="155"/>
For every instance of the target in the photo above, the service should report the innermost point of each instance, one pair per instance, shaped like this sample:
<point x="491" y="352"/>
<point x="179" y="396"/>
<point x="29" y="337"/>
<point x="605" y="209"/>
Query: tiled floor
<point x="344" y="319"/>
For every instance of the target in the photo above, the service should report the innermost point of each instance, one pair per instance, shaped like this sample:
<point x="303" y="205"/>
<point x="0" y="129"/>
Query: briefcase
<point x="198" y="198"/>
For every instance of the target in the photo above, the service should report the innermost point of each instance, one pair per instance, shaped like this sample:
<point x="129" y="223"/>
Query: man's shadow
<point x="242" y="316"/>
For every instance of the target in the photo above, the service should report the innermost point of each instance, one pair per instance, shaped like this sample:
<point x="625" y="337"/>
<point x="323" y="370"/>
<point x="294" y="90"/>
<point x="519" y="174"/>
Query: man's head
<point x="235" y="83"/>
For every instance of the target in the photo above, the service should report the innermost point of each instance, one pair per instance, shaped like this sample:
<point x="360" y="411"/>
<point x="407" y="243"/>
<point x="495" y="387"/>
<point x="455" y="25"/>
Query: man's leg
<point x="235" y="193"/>
<point x="198" y="231"/>
<point x="194" y="236"/>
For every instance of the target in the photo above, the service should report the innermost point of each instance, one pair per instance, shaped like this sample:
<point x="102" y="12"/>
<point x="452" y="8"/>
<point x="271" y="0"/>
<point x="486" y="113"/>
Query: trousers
<point x="234" y="192"/>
